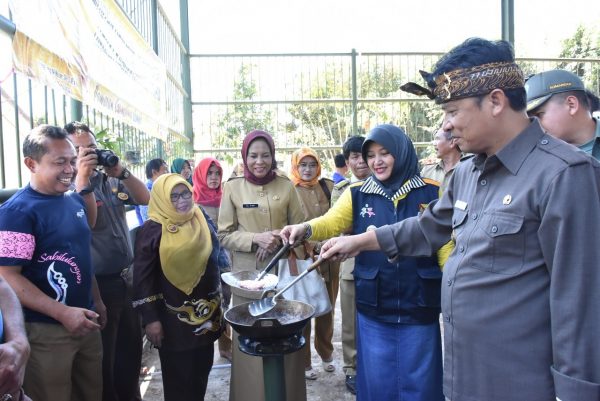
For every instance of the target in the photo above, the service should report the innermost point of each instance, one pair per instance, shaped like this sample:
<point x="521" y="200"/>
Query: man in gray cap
<point x="558" y="98"/>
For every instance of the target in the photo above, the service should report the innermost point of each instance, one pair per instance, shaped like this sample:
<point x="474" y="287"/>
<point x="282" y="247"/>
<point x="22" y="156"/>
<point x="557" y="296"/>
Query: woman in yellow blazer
<point x="254" y="207"/>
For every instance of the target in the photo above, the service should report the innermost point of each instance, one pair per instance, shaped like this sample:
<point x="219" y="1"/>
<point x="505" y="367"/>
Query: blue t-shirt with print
<point x="50" y="238"/>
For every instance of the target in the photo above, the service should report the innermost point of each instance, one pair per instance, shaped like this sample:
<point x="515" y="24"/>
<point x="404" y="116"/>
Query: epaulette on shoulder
<point x="235" y="178"/>
<point x="567" y="153"/>
<point x="341" y="184"/>
<point x="356" y="184"/>
<point x="429" y="161"/>
<point x="430" y="181"/>
<point x="282" y="174"/>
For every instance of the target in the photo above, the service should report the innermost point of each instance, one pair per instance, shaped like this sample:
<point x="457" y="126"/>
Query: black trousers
<point x="185" y="373"/>
<point x="121" y="342"/>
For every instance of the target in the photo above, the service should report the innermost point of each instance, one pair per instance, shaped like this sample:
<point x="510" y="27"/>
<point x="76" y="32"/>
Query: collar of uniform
<point x="370" y="186"/>
<point x="515" y="152"/>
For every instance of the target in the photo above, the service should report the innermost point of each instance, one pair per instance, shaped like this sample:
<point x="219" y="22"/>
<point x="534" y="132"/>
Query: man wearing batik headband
<point x="520" y="299"/>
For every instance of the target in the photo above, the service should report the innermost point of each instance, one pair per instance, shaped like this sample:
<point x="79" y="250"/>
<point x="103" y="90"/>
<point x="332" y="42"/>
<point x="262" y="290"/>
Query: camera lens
<point x="107" y="158"/>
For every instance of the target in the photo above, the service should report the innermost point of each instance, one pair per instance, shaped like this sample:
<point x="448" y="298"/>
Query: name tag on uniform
<point x="462" y="205"/>
<point x="250" y="205"/>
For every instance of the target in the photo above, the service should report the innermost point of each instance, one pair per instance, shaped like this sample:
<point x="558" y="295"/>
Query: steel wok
<point x="284" y="320"/>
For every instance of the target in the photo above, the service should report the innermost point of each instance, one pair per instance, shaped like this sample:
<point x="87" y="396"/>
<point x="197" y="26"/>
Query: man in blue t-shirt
<point x="45" y="257"/>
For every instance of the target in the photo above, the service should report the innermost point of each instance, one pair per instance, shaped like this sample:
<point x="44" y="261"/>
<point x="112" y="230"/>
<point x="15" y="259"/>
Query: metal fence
<point x="312" y="99"/>
<point x="319" y="99"/>
<point x="25" y="103"/>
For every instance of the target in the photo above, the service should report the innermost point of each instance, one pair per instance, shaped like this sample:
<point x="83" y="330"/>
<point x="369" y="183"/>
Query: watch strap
<point x="125" y="174"/>
<point x="85" y="191"/>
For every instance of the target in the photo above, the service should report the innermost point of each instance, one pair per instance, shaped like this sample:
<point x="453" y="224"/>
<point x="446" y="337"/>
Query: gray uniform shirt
<point x="111" y="244"/>
<point x="521" y="290"/>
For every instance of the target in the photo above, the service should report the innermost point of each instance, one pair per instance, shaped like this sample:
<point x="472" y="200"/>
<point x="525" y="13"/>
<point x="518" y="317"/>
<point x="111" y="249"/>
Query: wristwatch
<point x="125" y="174"/>
<point x="308" y="232"/>
<point x="85" y="191"/>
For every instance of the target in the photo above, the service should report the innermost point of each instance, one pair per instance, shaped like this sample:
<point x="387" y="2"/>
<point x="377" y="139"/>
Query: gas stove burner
<point x="271" y="347"/>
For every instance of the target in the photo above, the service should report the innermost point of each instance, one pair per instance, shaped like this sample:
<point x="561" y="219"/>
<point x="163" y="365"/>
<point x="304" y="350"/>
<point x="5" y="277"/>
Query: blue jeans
<point x="398" y="361"/>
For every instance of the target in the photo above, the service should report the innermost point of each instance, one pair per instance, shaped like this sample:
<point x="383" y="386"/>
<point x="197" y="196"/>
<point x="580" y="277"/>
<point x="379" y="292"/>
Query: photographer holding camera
<point x="114" y="186"/>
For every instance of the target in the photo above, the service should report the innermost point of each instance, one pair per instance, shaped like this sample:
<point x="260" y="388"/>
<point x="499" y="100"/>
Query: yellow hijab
<point x="186" y="244"/>
<point x="297" y="157"/>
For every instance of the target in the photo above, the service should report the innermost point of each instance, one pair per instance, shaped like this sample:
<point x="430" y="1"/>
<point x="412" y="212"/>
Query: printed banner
<point x="90" y="50"/>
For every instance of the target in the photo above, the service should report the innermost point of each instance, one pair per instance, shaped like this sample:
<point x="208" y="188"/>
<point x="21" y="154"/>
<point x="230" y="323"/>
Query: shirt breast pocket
<point x="505" y="242"/>
<point x="459" y="217"/>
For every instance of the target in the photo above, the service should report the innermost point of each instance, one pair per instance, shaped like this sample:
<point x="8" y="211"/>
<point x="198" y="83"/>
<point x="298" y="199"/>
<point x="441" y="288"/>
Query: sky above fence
<point x="257" y="26"/>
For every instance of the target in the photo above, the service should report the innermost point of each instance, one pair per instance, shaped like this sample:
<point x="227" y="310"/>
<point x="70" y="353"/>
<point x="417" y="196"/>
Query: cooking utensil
<point x="287" y="318"/>
<point x="264" y="305"/>
<point x="274" y="261"/>
<point x="233" y="279"/>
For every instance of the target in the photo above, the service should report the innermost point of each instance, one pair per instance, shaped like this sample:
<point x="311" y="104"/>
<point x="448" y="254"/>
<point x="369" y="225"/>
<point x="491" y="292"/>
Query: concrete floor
<point x="327" y="387"/>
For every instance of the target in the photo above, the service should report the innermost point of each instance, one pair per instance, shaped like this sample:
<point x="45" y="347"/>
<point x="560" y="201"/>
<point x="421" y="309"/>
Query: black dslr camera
<point x="107" y="158"/>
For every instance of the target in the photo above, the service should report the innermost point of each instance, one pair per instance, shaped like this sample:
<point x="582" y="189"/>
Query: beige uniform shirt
<point x="347" y="266"/>
<point x="248" y="209"/>
<point x="212" y="212"/>
<point x="314" y="204"/>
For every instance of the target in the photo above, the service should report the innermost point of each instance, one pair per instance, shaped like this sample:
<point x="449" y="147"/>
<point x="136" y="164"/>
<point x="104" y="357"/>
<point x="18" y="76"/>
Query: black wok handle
<point x="273" y="261"/>
<point x="312" y="267"/>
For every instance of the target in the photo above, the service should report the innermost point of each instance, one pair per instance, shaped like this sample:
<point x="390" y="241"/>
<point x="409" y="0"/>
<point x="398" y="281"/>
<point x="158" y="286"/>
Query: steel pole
<point x="274" y="378"/>
<point x="508" y="21"/>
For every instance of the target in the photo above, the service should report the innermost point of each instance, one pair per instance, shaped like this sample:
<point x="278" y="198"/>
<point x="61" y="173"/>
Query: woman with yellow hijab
<point x="177" y="287"/>
<point x="315" y="199"/>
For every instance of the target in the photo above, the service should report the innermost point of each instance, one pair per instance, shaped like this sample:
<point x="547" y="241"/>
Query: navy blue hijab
<point x="401" y="147"/>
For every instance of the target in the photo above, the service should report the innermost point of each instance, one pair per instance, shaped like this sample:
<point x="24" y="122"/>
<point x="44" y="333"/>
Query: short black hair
<point x="582" y="97"/>
<point x="339" y="160"/>
<point x="154" y="164"/>
<point x="34" y="145"/>
<point x="353" y="144"/>
<point x="593" y="101"/>
<point x="75" y="126"/>
<point x="477" y="51"/>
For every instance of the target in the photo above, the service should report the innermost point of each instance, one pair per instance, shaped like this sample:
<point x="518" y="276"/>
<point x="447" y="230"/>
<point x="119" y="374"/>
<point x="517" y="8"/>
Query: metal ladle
<point x="264" y="305"/>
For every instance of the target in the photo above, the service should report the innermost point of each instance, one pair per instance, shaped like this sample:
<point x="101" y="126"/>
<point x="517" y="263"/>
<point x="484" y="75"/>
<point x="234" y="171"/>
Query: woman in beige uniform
<point x="254" y="207"/>
<point x="315" y="198"/>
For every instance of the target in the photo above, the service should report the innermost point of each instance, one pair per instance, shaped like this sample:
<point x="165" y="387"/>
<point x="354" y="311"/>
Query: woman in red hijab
<point x="207" y="179"/>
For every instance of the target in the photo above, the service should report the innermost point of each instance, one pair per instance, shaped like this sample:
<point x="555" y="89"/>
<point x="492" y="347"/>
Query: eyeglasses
<point x="311" y="166"/>
<point x="184" y="195"/>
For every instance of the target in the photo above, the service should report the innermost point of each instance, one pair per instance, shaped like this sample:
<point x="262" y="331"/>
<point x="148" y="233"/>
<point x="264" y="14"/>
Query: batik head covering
<point x="473" y="81"/>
